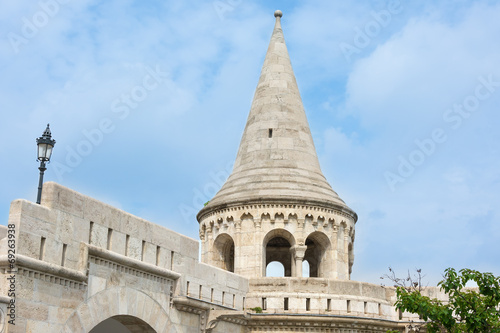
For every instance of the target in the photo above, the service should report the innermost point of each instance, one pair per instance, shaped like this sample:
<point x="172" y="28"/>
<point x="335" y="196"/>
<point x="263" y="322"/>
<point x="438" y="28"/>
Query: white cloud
<point x="409" y="81"/>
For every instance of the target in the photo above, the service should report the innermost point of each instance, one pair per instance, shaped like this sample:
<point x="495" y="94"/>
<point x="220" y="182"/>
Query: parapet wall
<point x="67" y="229"/>
<point x="317" y="296"/>
<point x="75" y="253"/>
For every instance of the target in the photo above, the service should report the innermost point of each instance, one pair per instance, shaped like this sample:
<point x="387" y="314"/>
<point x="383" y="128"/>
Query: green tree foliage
<point x="468" y="309"/>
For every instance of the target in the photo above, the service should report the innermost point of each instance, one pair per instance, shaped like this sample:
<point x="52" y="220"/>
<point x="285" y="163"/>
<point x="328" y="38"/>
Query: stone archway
<point x="223" y="252"/>
<point x="318" y="246"/>
<point x="276" y="247"/>
<point x="275" y="269"/>
<point x="129" y="306"/>
<point x="123" y="324"/>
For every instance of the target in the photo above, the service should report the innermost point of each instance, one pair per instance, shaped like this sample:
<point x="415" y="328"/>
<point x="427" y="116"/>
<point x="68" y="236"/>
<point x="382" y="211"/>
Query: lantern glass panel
<point x="42" y="151"/>
<point x="49" y="152"/>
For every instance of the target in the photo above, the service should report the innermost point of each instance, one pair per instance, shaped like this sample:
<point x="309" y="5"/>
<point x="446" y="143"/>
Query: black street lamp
<point x="45" y="144"/>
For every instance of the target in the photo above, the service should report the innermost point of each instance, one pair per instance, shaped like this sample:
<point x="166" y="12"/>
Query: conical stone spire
<point x="277" y="161"/>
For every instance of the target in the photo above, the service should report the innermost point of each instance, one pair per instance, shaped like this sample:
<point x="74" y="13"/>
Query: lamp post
<point x="45" y="144"/>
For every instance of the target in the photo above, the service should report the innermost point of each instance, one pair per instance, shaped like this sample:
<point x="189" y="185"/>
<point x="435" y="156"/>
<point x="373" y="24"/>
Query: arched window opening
<point x="278" y="249"/>
<point x="275" y="269"/>
<point x="306" y="269"/>
<point x="313" y="257"/>
<point x="223" y="252"/>
<point x="122" y="323"/>
<point x="316" y="254"/>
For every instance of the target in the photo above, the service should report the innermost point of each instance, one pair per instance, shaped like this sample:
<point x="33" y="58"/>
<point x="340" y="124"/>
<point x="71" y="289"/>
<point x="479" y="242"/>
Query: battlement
<point x="328" y="297"/>
<point x="79" y="248"/>
<point x="54" y="231"/>
<point x="68" y="235"/>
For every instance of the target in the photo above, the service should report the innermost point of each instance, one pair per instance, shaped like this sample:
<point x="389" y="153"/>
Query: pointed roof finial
<point x="47" y="132"/>
<point x="276" y="160"/>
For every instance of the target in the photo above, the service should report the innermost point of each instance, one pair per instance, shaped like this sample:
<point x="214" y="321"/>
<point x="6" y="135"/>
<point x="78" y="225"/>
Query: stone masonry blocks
<point x="118" y="242"/>
<point x="99" y="235"/>
<point x="134" y="249"/>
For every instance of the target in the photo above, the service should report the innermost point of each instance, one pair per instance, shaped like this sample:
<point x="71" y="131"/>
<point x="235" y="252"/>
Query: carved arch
<point x="246" y="216"/>
<point x="276" y="247"/>
<point x="110" y="303"/>
<point x="223" y="252"/>
<point x="292" y="218"/>
<point x="279" y="218"/>
<point x="122" y="323"/>
<point x="318" y="254"/>
<point x="265" y="218"/>
<point x="343" y="224"/>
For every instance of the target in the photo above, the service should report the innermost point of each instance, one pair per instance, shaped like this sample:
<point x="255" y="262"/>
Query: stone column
<point x="294" y="269"/>
<point x="260" y="265"/>
<point x="237" y="247"/>
<point x="335" y="253"/>
<point x="298" y="252"/>
<point x="203" y="246"/>
<point x="209" y="242"/>
<point x="346" y="252"/>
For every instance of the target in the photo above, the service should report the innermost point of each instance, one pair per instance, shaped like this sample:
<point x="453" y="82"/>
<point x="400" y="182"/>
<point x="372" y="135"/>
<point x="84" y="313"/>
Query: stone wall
<point x="250" y="227"/>
<point x="80" y="261"/>
<point x="322" y="296"/>
<point x="316" y="296"/>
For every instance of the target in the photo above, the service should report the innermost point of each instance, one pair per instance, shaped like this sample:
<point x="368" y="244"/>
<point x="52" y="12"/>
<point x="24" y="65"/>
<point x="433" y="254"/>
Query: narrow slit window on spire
<point x="270" y="133"/>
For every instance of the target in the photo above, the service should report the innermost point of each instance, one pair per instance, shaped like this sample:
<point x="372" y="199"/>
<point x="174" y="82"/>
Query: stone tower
<point x="277" y="205"/>
<point x="74" y="264"/>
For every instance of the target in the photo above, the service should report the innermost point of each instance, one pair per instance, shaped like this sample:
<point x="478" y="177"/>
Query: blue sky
<point x="148" y="101"/>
